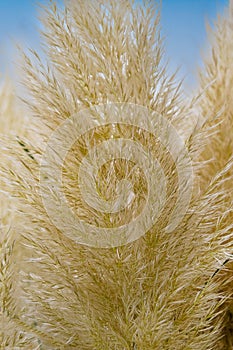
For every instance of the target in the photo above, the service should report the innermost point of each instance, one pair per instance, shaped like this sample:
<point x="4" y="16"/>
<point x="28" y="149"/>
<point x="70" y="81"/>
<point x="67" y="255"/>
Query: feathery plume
<point x="12" y="127"/>
<point x="216" y="157"/>
<point x="120" y="252"/>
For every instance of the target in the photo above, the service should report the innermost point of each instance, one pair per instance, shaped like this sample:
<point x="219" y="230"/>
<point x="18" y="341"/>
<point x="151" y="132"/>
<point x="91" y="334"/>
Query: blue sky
<point x="183" y="23"/>
<point x="184" y="28"/>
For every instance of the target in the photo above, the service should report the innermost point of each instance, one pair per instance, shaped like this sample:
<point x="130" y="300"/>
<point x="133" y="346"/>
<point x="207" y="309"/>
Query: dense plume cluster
<point x="165" y="290"/>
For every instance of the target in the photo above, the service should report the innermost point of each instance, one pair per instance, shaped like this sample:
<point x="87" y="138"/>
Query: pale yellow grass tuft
<point x="215" y="109"/>
<point x="162" y="291"/>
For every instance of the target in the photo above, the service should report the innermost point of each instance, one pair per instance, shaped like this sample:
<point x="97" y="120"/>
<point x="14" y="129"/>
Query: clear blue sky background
<point x="183" y="23"/>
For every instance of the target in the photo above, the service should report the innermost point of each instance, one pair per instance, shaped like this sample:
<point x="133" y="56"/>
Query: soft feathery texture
<point x="12" y="128"/>
<point x="215" y="110"/>
<point x="162" y="291"/>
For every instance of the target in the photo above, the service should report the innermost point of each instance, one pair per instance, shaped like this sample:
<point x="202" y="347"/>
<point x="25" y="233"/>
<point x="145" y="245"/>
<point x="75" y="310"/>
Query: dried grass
<point x="162" y="291"/>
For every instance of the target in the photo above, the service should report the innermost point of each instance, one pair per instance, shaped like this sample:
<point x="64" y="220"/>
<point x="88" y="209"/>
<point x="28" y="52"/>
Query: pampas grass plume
<point x="164" y="290"/>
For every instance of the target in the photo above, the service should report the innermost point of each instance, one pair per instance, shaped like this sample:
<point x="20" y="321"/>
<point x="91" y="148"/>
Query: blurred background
<point x="183" y="26"/>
